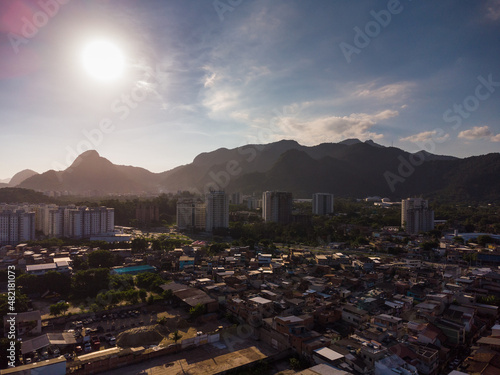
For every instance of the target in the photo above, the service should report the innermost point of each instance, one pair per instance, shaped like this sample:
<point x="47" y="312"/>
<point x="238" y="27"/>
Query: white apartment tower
<point x="416" y="216"/>
<point x="16" y="226"/>
<point x="84" y="222"/>
<point x="322" y="204"/>
<point x="217" y="210"/>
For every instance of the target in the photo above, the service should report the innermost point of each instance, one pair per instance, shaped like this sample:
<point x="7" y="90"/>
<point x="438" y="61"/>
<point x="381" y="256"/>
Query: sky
<point x="193" y="76"/>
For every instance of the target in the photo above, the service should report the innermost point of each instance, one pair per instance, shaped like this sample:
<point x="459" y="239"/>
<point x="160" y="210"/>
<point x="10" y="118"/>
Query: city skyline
<point x="205" y="75"/>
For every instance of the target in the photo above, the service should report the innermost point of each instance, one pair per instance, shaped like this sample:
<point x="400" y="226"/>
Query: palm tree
<point x="176" y="336"/>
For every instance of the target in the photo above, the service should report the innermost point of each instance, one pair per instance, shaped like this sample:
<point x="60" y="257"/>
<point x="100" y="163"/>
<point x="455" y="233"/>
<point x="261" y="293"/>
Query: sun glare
<point x="103" y="60"/>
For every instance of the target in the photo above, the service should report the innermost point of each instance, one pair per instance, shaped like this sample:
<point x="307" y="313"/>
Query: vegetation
<point x="88" y="283"/>
<point x="197" y="311"/>
<point x="15" y="195"/>
<point x="176" y="336"/>
<point x="52" y="281"/>
<point x="59" y="308"/>
<point x="149" y="281"/>
<point x="21" y="303"/>
<point x="102" y="259"/>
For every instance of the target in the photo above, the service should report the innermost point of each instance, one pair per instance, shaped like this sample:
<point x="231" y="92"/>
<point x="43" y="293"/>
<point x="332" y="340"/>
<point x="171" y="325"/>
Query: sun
<point x="103" y="60"/>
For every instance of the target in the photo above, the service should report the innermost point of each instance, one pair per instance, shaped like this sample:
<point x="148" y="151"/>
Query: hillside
<point x="18" y="195"/>
<point x="351" y="168"/>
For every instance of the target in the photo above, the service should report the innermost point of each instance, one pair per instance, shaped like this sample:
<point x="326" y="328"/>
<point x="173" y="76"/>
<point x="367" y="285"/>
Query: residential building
<point x="277" y="206"/>
<point x="416" y="216"/>
<point x="322" y="204"/>
<point x="83" y="222"/>
<point x="191" y="214"/>
<point x="146" y="213"/>
<point x="16" y="225"/>
<point x="217" y="210"/>
<point x="235" y="198"/>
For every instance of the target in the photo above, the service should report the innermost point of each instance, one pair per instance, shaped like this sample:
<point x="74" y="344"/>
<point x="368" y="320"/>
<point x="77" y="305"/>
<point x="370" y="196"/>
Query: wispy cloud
<point x="493" y="10"/>
<point x="425" y="136"/>
<point x="479" y="132"/>
<point x="373" y="90"/>
<point x="332" y="128"/>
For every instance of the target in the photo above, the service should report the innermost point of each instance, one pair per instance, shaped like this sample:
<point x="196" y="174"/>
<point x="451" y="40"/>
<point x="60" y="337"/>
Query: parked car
<point x="87" y="347"/>
<point x="96" y="344"/>
<point x="68" y="356"/>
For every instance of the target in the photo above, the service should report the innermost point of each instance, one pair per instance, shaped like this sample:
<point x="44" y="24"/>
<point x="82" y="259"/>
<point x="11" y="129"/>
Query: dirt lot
<point x="207" y="359"/>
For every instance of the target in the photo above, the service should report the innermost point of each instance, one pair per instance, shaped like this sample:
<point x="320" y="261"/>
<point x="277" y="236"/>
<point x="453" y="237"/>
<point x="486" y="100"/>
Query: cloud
<point x="425" y="136"/>
<point x="477" y="132"/>
<point x="495" y="138"/>
<point x="493" y="10"/>
<point x="210" y="80"/>
<point x="394" y="90"/>
<point x="330" y="128"/>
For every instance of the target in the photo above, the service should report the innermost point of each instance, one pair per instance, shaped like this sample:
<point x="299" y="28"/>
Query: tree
<point x="30" y="284"/>
<point x="90" y="282"/>
<point x="176" y="336"/>
<point x="167" y="294"/>
<point x="21" y="303"/>
<point x="149" y="281"/>
<point x="59" y="308"/>
<point x="143" y="295"/>
<point x="294" y="364"/>
<point x="484" y="239"/>
<point x="196" y="311"/>
<point x="121" y="282"/>
<point x="139" y="245"/>
<point x="57" y="282"/>
<point x="101" y="259"/>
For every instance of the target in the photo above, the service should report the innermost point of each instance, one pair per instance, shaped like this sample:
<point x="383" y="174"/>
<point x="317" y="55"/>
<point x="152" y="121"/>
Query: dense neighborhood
<point x="403" y="303"/>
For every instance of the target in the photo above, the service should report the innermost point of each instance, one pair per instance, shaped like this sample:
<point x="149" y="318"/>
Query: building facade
<point x="16" y="225"/>
<point x="416" y="216"/>
<point x="322" y="204"/>
<point x="217" y="210"/>
<point x="277" y="206"/>
<point x="191" y="214"/>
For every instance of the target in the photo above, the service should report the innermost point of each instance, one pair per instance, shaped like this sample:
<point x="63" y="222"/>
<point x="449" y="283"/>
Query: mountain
<point x="15" y="195"/>
<point x="21" y="176"/>
<point x="350" y="168"/>
<point x="92" y="173"/>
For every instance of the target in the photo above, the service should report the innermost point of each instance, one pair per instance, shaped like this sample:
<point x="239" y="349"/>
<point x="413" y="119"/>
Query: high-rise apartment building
<point x="146" y="213"/>
<point x="191" y="214"/>
<point x="217" y="210"/>
<point x="54" y="221"/>
<point x="416" y="216"/>
<point x="16" y="226"/>
<point x="277" y="206"/>
<point x="235" y="198"/>
<point x="322" y="204"/>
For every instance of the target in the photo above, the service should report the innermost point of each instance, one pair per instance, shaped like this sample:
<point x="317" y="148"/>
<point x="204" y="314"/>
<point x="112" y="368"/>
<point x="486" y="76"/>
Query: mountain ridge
<point x="354" y="169"/>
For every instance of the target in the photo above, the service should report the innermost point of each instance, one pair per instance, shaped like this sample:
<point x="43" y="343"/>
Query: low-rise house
<point x="26" y="323"/>
<point x="394" y="325"/>
<point x="353" y="315"/>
